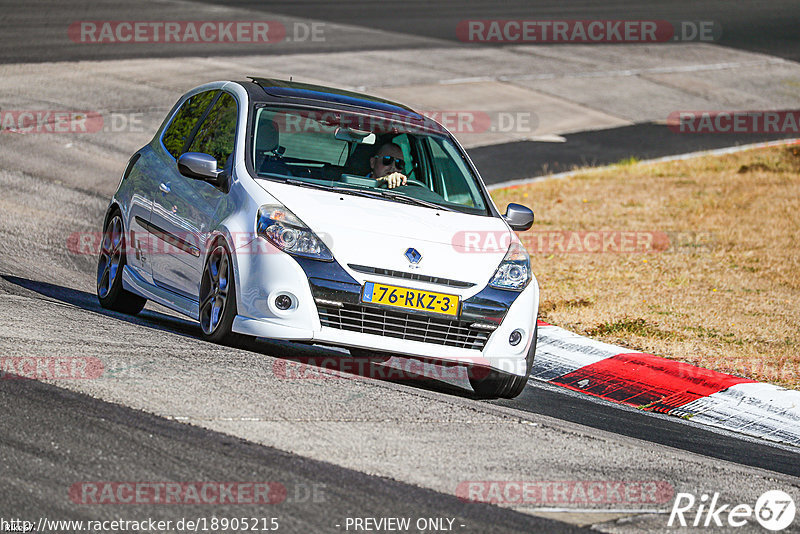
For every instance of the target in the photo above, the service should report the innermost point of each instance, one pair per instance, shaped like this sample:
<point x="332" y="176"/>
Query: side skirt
<point x="134" y="283"/>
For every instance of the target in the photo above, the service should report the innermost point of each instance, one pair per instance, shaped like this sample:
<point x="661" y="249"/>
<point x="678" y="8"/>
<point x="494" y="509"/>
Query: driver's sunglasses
<point x="399" y="163"/>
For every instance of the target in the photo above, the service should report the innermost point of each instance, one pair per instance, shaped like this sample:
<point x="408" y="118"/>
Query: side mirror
<point x="199" y="166"/>
<point x="518" y="217"/>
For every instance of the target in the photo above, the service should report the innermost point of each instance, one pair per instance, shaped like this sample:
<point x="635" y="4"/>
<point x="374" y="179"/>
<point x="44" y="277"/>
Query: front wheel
<point x="110" y="264"/>
<point x="497" y="384"/>
<point x="218" y="297"/>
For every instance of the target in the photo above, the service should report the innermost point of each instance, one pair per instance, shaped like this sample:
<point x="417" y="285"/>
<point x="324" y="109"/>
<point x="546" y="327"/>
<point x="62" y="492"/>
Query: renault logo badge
<point x="413" y="256"/>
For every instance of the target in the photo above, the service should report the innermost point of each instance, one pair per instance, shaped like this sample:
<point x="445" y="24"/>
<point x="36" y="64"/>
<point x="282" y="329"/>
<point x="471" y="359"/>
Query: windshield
<point x="353" y="153"/>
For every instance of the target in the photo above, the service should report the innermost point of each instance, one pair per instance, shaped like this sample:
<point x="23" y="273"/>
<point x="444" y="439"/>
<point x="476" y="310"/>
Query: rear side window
<point x="218" y="131"/>
<point x="182" y="125"/>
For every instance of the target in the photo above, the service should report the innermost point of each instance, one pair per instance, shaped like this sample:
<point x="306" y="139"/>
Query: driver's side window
<point x="217" y="134"/>
<point x="183" y="123"/>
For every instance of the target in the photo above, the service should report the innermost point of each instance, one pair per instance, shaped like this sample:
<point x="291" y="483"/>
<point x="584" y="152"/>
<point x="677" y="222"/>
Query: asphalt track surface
<point x="537" y="398"/>
<point x="517" y="160"/>
<point x="99" y="441"/>
<point x="38" y="35"/>
<point x="769" y="28"/>
<point x="51" y="437"/>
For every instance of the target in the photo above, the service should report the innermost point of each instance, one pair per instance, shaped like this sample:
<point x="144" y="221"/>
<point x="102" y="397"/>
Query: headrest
<point x="267" y="136"/>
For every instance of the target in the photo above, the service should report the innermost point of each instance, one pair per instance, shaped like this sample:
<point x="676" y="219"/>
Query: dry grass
<point x="724" y="295"/>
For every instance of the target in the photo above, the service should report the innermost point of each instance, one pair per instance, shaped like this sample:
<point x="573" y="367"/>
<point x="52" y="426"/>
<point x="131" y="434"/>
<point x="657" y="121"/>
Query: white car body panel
<point x="376" y="233"/>
<point x="358" y="231"/>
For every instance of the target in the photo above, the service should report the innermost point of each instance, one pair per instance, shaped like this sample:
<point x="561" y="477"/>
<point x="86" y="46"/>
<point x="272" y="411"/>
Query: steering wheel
<point x="411" y="181"/>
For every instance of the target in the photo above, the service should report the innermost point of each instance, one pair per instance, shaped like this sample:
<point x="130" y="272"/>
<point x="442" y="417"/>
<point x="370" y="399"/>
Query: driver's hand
<point x="394" y="180"/>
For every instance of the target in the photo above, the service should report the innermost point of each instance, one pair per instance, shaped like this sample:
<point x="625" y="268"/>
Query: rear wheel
<point x="110" y="264"/>
<point x="218" y="297"/>
<point x="497" y="384"/>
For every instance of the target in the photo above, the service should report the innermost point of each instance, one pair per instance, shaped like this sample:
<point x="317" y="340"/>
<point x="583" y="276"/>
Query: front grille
<point x="410" y="276"/>
<point x="391" y="323"/>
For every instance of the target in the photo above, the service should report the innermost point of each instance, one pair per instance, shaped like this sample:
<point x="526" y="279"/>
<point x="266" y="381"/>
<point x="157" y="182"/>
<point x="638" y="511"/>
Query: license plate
<point x="410" y="299"/>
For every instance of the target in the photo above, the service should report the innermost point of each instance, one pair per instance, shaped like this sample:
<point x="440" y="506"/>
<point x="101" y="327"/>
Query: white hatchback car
<point x="261" y="208"/>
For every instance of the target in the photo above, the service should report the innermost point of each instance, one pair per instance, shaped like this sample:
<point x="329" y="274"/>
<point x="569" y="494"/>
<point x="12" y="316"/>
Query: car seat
<point x="269" y="153"/>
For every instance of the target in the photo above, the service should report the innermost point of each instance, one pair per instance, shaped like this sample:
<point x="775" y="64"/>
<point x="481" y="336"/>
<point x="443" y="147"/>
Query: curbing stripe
<point x="647" y="381"/>
<point x="657" y="384"/>
<point x="755" y="408"/>
<point x="559" y="352"/>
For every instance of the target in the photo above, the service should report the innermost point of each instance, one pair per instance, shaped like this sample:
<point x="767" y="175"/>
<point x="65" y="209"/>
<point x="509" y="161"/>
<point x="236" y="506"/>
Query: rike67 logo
<point x="774" y="510"/>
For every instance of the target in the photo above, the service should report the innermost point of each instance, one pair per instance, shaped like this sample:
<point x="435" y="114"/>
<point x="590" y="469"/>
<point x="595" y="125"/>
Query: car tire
<point x="217" y="299"/>
<point x="497" y="384"/>
<point x="112" y="260"/>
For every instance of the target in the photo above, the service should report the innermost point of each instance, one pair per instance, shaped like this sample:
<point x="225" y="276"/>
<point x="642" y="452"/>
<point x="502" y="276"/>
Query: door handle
<point x="164" y="188"/>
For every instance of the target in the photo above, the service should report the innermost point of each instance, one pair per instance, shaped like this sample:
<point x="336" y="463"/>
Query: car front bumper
<point x="327" y="309"/>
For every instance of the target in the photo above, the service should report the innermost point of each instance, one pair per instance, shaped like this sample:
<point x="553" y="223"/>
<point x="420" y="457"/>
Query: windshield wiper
<point x="292" y="181"/>
<point x="412" y="200"/>
<point x="373" y="193"/>
<point x="323" y="187"/>
<point x="357" y="192"/>
<point x="337" y="189"/>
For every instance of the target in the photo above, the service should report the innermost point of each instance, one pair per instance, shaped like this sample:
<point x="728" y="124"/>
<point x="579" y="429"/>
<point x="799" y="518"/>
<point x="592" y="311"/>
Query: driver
<point x="386" y="163"/>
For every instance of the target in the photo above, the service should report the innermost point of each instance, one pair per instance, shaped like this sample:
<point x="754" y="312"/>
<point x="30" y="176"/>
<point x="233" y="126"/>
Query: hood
<point x="377" y="233"/>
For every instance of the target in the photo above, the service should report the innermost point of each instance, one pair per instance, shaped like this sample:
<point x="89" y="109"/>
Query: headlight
<point x="285" y="230"/>
<point x="514" y="271"/>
